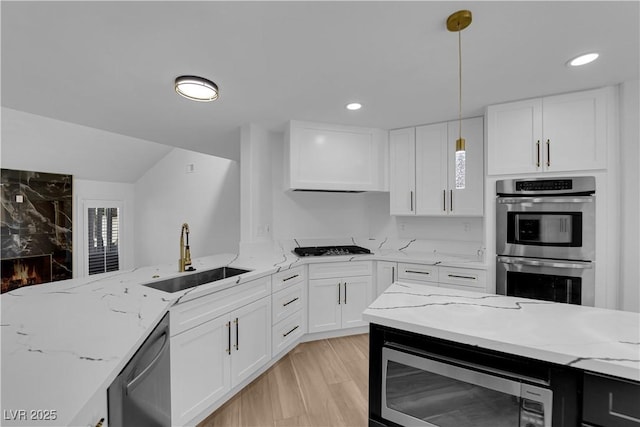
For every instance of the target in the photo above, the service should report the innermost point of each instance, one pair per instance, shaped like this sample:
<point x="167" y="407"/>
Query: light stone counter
<point x="588" y="338"/>
<point x="63" y="343"/>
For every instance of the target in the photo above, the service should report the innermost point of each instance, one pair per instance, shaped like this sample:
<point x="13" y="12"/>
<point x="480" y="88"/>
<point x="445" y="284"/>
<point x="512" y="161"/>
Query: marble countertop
<point x="588" y="338"/>
<point x="63" y="343"/>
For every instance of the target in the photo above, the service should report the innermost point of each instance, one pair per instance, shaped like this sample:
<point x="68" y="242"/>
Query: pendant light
<point x="457" y="22"/>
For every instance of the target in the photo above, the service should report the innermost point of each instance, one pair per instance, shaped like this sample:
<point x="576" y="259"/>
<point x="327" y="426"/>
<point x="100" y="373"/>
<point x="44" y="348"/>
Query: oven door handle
<point x="521" y="200"/>
<point x="545" y="263"/>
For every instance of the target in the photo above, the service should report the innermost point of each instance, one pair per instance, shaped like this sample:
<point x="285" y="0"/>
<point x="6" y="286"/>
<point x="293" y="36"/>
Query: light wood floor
<point x="320" y="383"/>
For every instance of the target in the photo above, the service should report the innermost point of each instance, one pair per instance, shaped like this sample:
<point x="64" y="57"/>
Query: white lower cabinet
<point x="200" y="368"/>
<point x="208" y="360"/>
<point x="385" y="275"/>
<point x="338" y="294"/>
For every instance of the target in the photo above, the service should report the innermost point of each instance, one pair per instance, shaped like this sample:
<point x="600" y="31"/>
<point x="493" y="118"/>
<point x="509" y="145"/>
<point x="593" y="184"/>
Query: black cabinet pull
<point x="548" y="152"/>
<point x="229" y="341"/>
<point x="287" y="303"/>
<point x="345" y="292"/>
<point x="538" y="149"/>
<point x="462" y="277"/>
<point x="417" y="272"/>
<point x="284" y="335"/>
<point x="237" y="338"/>
<point x="339" y="294"/>
<point x="289" y="278"/>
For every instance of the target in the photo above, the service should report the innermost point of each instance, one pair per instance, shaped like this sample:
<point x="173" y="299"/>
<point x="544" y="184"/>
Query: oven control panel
<point x="544" y="185"/>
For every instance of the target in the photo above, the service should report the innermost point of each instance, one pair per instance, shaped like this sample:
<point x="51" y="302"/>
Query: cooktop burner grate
<point x="330" y="250"/>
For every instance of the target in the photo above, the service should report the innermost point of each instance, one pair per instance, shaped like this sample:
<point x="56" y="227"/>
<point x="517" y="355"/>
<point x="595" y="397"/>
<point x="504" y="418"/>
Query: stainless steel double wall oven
<point x="545" y="239"/>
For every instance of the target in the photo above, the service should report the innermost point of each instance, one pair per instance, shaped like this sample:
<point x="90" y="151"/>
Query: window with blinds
<point x="103" y="238"/>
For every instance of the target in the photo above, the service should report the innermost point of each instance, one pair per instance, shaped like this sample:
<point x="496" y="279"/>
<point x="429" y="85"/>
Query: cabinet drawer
<point x="340" y="269"/>
<point x="197" y="311"/>
<point x="611" y="402"/>
<point x="287" y="301"/>
<point x="417" y="272"/>
<point x="463" y="277"/>
<point x="287" y="331"/>
<point x="286" y="278"/>
<point x="460" y="287"/>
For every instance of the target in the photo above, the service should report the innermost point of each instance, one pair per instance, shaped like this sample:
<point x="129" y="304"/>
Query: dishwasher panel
<point x="141" y="394"/>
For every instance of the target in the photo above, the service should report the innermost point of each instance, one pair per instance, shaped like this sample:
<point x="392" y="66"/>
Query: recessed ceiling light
<point x="353" y="106"/>
<point x="196" y="88"/>
<point x="583" y="59"/>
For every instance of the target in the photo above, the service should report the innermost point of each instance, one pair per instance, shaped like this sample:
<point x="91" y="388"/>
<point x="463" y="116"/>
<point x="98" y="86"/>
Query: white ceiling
<point x="111" y="65"/>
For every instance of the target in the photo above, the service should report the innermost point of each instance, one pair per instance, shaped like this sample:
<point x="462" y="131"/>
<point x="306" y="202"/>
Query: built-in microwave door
<point x="546" y="227"/>
<point x="419" y="391"/>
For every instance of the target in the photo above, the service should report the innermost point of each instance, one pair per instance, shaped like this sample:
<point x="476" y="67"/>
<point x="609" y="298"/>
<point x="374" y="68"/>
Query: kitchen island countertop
<point x="592" y="339"/>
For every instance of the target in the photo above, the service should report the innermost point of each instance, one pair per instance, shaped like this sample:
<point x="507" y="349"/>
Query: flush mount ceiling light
<point x="197" y="88"/>
<point x="353" y="106"/>
<point x="583" y="59"/>
<point x="457" y="22"/>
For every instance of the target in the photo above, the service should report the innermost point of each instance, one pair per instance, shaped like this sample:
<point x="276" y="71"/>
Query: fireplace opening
<point x="25" y="271"/>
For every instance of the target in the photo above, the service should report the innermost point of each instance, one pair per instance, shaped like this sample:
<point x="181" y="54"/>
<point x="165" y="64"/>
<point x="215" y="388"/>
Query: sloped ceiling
<point x="111" y="65"/>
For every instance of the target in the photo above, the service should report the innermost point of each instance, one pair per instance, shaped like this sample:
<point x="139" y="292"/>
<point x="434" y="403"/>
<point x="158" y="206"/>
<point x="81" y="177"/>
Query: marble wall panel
<point x="36" y="219"/>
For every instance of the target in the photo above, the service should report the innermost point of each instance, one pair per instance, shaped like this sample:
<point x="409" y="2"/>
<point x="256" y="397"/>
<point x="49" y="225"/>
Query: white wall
<point x="84" y="190"/>
<point x="208" y="199"/>
<point x="630" y="196"/>
<point x="32" y="142"/>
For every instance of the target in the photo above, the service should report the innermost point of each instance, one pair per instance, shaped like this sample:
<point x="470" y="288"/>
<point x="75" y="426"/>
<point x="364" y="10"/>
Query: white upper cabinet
<point x="321" y="156"/>
<point x="402" y="171"/>
<point x="422" y="170"/>
<point x="551" y="134"/>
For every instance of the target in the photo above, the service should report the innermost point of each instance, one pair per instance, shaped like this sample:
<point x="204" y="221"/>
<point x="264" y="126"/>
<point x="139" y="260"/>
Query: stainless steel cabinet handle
<point x="411" y="200"/>
<point x="418" y="272"/>
<point x="544" y="263"/>
<point x="345" y="292"/>
<point x="522" y="200"/>
<point x="462" y="277"/>
<point x="548" y="153"/>
<point x="133" y="383"/>
<point x="339" y="293"/>
<point x="287" y="303"/>
<point x="229" y="341"/>
<point x="538" y="158"/>
<point x="444" y="200"/>
<point x="237" y="346"/>
<point x="451" y="200"/>
<point x="285" y="334"/>
<point x="289" y="278"/>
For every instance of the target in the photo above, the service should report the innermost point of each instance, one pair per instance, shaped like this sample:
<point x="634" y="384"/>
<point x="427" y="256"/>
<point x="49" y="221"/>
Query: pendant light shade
<point x="196" y="88"/>
<point x="457" y="22"/>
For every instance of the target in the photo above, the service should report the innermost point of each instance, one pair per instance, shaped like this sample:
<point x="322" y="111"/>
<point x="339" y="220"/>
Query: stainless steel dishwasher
<point x="141" y="394"/>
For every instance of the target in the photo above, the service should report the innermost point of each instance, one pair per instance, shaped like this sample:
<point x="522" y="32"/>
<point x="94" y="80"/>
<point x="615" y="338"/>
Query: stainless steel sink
<point x="187" y="281"/>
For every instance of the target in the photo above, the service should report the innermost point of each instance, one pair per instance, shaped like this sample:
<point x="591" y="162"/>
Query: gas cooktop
<point x="330" y="250"/>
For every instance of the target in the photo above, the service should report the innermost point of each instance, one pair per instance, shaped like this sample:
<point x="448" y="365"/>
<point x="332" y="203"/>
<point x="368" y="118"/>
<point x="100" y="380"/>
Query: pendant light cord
<point x="459" y="82"/>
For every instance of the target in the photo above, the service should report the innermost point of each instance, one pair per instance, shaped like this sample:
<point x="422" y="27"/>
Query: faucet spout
<point x="185" y="252"/>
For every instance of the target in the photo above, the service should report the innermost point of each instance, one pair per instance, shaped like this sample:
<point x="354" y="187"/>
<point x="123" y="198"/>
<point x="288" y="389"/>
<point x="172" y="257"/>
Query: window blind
<point x="103" y="235"/>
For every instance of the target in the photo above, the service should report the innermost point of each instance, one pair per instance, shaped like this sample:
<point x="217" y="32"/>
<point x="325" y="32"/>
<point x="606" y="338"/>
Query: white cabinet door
<point x="574" y="131"/>
<point x="324" y="305"/>
<point x="467" y="201"/>
<point x="514" y="137"/>
<point x="200" y="368"/>
<point x="431" y="169"/>
<point x="402" y="171"/>
<point x="356" y="298"/>
<point x="385" y="275"/>
<point x="251" y="339"/>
